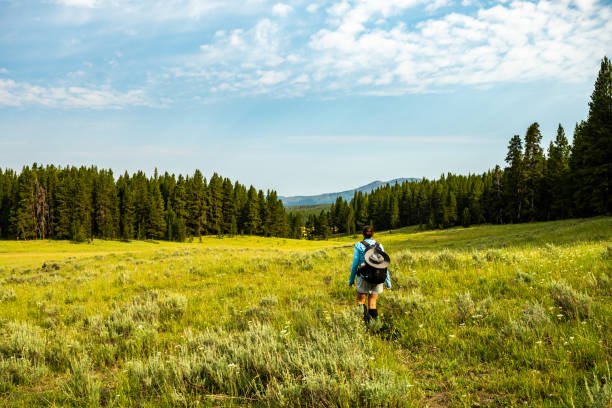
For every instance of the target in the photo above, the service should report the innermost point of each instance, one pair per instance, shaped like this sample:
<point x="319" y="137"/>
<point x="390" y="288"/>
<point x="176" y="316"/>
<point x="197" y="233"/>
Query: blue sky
<point x="303" y="97"/>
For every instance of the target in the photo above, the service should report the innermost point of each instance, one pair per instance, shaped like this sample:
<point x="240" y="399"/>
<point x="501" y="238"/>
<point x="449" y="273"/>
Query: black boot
<point x="366" y="315"/>
<point x="373" y="313"/>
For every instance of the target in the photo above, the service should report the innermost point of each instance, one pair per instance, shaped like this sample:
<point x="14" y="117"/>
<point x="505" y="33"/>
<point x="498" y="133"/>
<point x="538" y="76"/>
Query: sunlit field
<point x="484" y="316"/>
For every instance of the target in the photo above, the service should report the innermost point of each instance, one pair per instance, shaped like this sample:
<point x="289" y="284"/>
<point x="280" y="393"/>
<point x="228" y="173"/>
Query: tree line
<point x="568" y="180"/>
<point x="86" y="202"/>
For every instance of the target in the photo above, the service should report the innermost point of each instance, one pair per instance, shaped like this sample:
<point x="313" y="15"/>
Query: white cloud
<point x="312" y="8"/>
<point x="302" y="79"/>
<point x="271" y="77"/>
<point x="4" y="71"/>
<point x="332" y="139"/>
<point x="80" y="3"/>
<point x="352" y="53"/>
<point x="241" y="61"/>
<point x="137" y="11"/>
<point x="523" y="41"/>
<point x="281" y="9"/>
<point x="436" y="4"/>
<point x="19" y="94"/>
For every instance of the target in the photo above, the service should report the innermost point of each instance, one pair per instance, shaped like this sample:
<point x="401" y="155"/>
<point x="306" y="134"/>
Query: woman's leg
<point x="361" y="302"/>
<point x="373" y="312"/>
<point x="372" y="301"/>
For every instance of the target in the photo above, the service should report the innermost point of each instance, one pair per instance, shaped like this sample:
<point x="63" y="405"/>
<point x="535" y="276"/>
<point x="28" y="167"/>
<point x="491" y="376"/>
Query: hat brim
<point x="383" y="264"/>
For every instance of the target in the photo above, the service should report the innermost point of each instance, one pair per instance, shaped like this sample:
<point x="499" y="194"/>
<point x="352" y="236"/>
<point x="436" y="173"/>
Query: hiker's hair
<point x="368" y="231"/>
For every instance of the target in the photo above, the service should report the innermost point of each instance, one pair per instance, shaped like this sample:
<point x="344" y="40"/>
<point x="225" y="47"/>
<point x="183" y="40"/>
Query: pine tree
<point x="24" y="217"/>
<point x="126" y="206"/>
<point x="171" y="223"/>
<point x="534" y="168"/>
<point x="105" y="202"/>
<point x="140" y="192"/>
<point x="591" y="162"/>
<point x="514" y="180"/>
<point x="497" y="204"/>
<point x="466" y="218"/>
<point x="450" y="209"/>
<point x="252" y="219"/>
<point x="215" y="209"/>
<point x="322" y="225"/>
<point x="82" y="223"/>
<point x="394" y="218"/>
<point x="276" y="215"/>
<point x="558" y="177"/>
<point x="360" y="210"/>
<point x="228" y="207"/>
<point x="350" y="221"/>
<point x="156" y="220"/>
<point x="8" y="183"/>
<point x="197" y="205"/>
<point x="264" y="214"/>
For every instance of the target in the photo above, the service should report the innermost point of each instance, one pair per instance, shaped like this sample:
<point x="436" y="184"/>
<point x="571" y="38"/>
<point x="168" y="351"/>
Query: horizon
<point x="292" y="96"/>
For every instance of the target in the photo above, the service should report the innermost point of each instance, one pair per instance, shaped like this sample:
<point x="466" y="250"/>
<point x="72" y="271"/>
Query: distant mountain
<point x="329" y="198"/>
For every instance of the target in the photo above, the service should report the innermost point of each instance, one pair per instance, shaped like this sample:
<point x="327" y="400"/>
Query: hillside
<point x="347" y="195"/>
<point x="483" y="316"/>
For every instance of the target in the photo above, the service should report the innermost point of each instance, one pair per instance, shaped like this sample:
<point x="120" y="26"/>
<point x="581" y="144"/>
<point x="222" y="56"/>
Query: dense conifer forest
<point x="567" y="180"/>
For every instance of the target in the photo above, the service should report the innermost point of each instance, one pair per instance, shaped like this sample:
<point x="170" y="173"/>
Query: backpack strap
<point x="365" y="244"/>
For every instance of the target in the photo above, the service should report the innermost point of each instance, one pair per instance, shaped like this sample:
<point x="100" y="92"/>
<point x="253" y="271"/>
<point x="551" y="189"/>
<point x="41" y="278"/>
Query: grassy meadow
<point x="516" y="315"/>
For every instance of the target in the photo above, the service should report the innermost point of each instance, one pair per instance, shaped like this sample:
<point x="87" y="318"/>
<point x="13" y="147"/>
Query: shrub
<point x="58" y="352"/>
<point x="123" y="278"/>
<point x="22" y="340"/>
<point x="81" y="388"/>
<point x="261" y="314"/>
<point x="495" y="256"/>
<point x="18" y="371"/>
<point x="76" y="314"/>
<point x="464" y="306"/>
<point x="319" y="254"/>
<point x="275" y="367"/>
<point x="600" y="393"/>
<point x="535" y="315"/>
<point x="447" y="258"/>
<point x="478" y="260"/>
<point x="523" y="276"/>
<point x="399" y="304"/>
<point x="604" y="281"/>
<point x="149" y="376"/>
<point x="268" y="301"/>
<point x="7" y="295"/>
<point x="171" y="306"/>
<point x="405" y="258"/>
<point x="403" y="282"/>
<point x="574" y="304"/>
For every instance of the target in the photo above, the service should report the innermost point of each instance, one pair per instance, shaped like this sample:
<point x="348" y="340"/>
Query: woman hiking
<point x="363" y="287"/>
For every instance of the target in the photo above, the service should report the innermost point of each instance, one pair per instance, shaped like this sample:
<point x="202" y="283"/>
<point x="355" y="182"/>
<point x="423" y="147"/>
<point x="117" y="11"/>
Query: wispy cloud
<point x="329" y="49"/>
<point x="138" y="11"/>
<point x="520" y="42"/>
<point x="334" y="139"/>
<point x="281" y="9"/>
<point x="21" y="94"/>
<point x="516" y="42"/>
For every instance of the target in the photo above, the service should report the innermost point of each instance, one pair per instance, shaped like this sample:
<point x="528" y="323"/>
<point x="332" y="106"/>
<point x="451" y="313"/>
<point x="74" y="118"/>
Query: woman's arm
<point x="354" y="266"/>
<point x="388" y="280"/>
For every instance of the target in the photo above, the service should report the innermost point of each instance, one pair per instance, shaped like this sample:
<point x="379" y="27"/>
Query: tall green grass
<point x="484" y="316"/>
